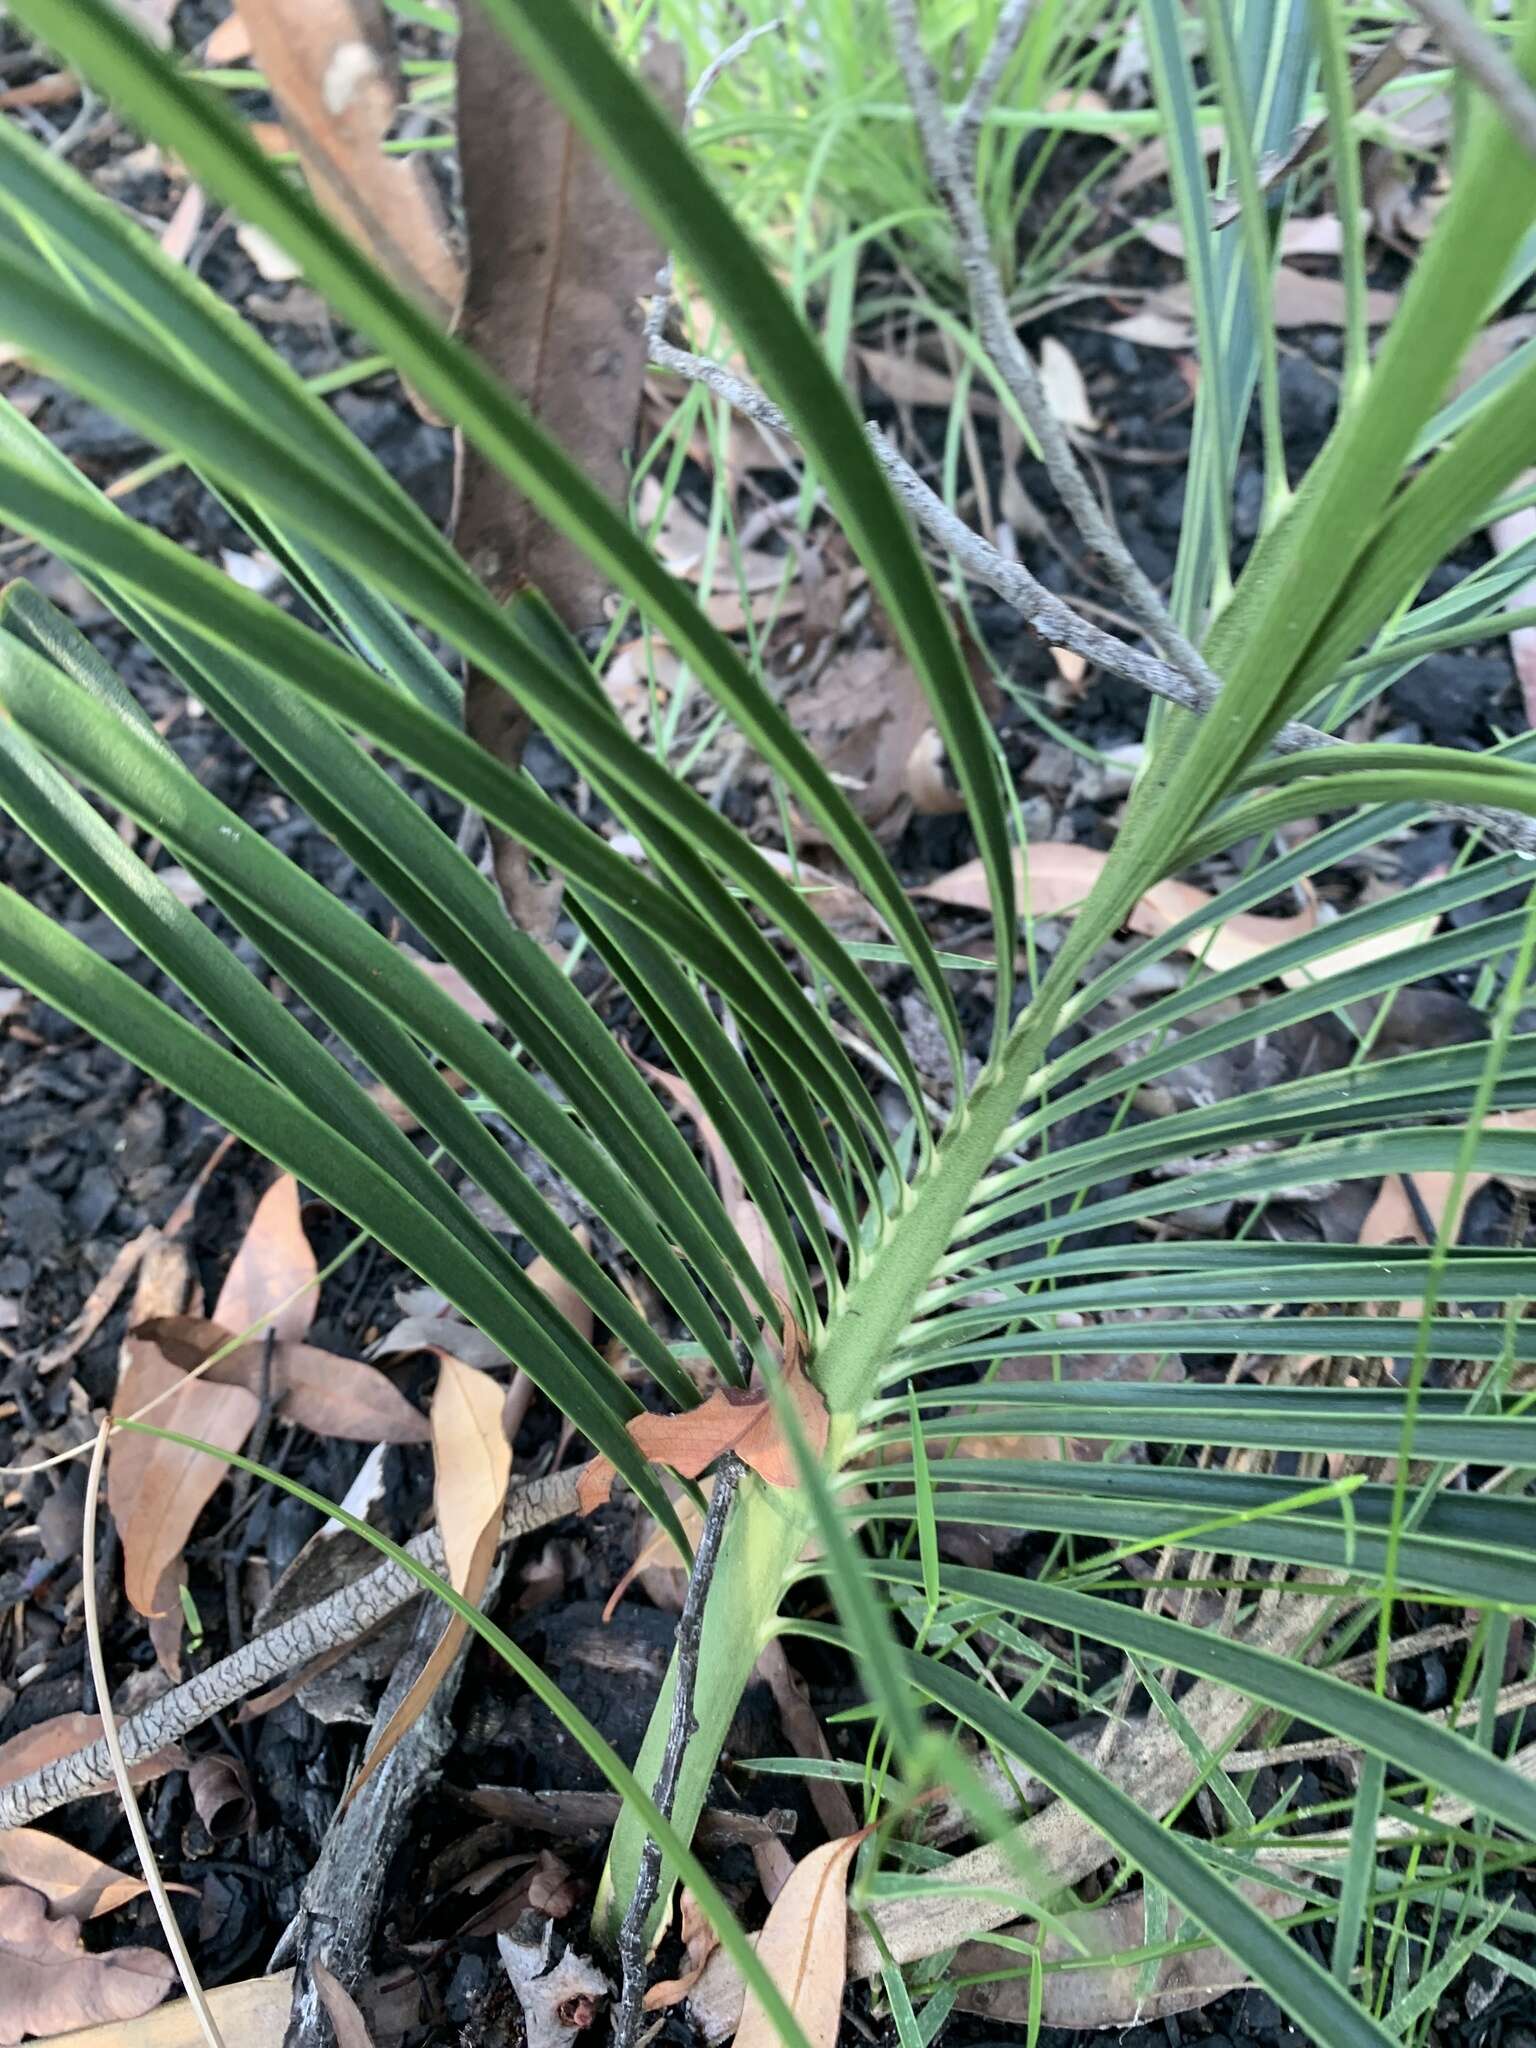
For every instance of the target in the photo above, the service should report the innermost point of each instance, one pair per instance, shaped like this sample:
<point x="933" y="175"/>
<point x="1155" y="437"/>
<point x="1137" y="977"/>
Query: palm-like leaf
<point x="982" y="1249"/>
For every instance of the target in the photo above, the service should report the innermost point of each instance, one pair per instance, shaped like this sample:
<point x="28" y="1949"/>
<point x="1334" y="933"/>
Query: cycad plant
<point x="897" y="1266"/>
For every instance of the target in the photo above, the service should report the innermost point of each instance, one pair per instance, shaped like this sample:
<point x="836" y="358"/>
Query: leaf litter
<point x="53" y="1984"/>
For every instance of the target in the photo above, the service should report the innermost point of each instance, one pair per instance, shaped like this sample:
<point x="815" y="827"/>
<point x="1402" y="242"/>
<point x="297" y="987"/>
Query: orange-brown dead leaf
<point x="47" y="1740"/>
<point x="274" y="1269"/>
<point x="1054" y="880"/>
<point x="1394" y="1219"/>
<point x="699" y="1943"/>
<point x="864" y="715"/>
<point x="157" y="1489"/>
<point x="330" y="65"/>
<point x="731" y="1419"/>
<point x="562" y="1295"/>
<point x="804" y="1948"/>
<point x="727" y="1179"/>
<point x="473" y="1464"/>
<point x="1299" y="300"/>
<point x="319" y="1390"/>
<point x="77" y="1885"/>
<point x="351" y="2029"/>
<point x="230" y="42"/>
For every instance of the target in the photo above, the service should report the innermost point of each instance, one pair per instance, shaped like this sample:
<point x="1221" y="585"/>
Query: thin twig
<point x="1011" y="24"/>
<point x="655" y="318"/>
<point x="1051" y="616"/>
<point x="994" y="325"/>
<point x="340" y="1618"/>
<point x="680" y="1731"/>
<point x="125" y="1791"/>
<point x="1486" y="63"/>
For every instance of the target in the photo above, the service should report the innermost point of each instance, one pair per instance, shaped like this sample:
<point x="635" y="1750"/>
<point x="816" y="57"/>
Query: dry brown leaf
<point x="319" y="1390"/>
<point x="177" y="239"/>
<point x="1150" y="161"/>
<point x="45" y="1741"/>
<point x="1154" y="330"/>
<point x="699" y="1943"/>
<point x="221" y="1793"/>
<point x="1054" y="880"/>
<point x="559" y="267"/>
<point x="77" y="1885"/>
<point x="1299" y="300"/>
<point x="250" y="2014"/>
<point x="230" y="42"/>
<point x="274" y="1263"/>
<point x="804" y="1948"/>
<point x="453" y="983"/>
<point x="732" y="1419"/>
<point x="774" y="1866"/>
<point x="562" y="1295"/>
<point x="51" y="1983"/>
<point x="911" y="381"/>
<point x="658" y="1564"/>
<point x="473" y="1464"/>
<point x="806" y="1737"/>
<point x="157" y="1489"/>
<point x="273" y="263"/>
<point x="49" y="91"/>
<point x="1064" y="386"/>
<point x="863" y="716"/>
<point x="1316" y="234"/>
<point x="682" y="542"/>
<point x="727" y="1179"/>
<point x="1110" y="1996"/>
<point x="1393" y="1217"/>
<point x="1496" y="341"/>
<point x="341" y="2009"/>
<point x="840" y="903"/>
<point x="761" y="1249"/>
<point x="924" y="781"/>
<point x="330" y="65"/>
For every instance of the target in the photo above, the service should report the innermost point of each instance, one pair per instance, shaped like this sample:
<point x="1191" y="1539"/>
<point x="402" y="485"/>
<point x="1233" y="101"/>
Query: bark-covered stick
<point x="1051" y="616"/>
<point x="340" y="1618"/>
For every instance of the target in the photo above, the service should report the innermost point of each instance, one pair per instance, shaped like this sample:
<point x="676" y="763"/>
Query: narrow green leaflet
<point x="107" y="1003"/>
<point x="182" y="116"/>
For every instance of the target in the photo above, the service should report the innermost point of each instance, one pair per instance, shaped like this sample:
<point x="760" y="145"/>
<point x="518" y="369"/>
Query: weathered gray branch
<point x="1057" y="623"/>
<point x="340" y="1618"/>
<point x="994" y="324"/>
<point x="1011" y="24"/>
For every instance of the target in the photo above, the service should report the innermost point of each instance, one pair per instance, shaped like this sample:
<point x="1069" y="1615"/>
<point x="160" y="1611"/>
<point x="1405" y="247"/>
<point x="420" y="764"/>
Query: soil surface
<point x="91" y="1153"/>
